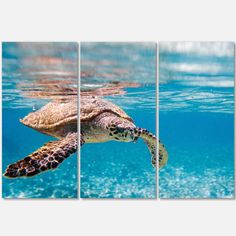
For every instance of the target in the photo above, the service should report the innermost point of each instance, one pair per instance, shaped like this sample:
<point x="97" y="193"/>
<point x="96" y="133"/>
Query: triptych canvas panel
<point x="39" y="110"/>
<point x="196" y="119"/>
<point x="138" y="112"/>
<point x="118" y="120"/>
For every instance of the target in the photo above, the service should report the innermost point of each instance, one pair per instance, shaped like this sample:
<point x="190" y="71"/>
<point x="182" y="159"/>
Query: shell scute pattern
<point x="53" y="114"/>
<point x="91" y="107"/>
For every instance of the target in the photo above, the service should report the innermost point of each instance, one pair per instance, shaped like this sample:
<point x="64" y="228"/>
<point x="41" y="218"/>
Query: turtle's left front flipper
<point x="49" y="156"/>
<point x="151" y="141"/>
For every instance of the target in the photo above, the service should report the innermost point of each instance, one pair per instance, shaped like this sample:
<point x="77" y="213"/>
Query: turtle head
<point x="121" y="129"/>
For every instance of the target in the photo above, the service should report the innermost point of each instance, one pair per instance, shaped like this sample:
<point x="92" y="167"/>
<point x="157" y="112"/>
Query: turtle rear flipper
<point x="49" y="156"/>
<point x="150" y="140"/>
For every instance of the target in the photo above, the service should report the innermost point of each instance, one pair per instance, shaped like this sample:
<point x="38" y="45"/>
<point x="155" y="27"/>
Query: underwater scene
<point x="196" y="119"/>
<point x="125" y="75"/>
<point x="118" y="120"/>
<point x="34" y="74"/>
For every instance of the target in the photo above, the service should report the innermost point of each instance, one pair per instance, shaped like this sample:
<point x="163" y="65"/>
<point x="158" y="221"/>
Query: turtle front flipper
<point x="49" y="156"/>
<point x="163" y="155"/>
<point x="150" y="140"/>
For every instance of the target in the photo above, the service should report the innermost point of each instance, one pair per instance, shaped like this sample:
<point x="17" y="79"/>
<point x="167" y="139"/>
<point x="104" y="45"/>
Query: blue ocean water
<point x="117" y="169"/>
<point x="196" y="120"/>
<point x="30" y="72"/>
<point x="201" y="155"/>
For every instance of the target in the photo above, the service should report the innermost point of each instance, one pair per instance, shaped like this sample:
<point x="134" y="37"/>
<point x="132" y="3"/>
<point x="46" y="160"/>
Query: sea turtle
<point x="101" y="121"/>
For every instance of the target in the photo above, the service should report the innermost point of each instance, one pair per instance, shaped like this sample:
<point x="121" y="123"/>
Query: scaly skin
<point x="49" y="156"/>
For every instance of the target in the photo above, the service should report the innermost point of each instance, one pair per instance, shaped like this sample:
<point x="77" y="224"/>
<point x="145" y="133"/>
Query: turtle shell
<point x="53" y="114"/>
<point x="91" y="107"/>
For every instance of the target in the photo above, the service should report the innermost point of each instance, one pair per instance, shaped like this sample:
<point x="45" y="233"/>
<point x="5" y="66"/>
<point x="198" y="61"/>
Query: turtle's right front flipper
<point x="49" y="156"/>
